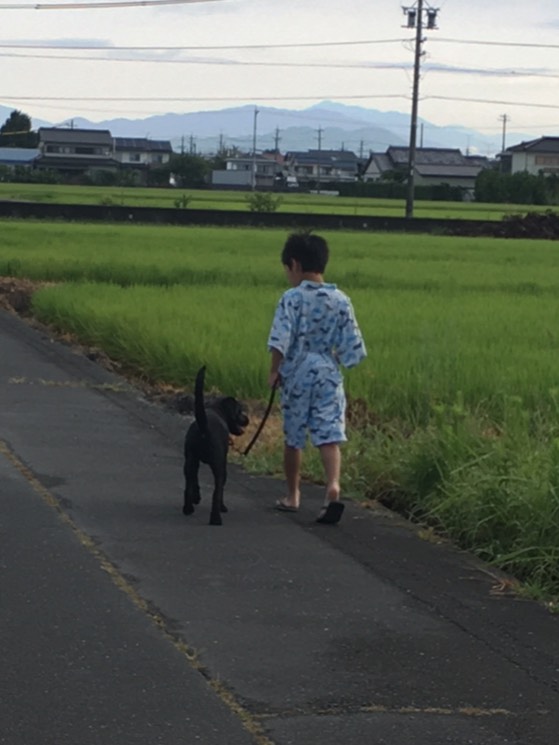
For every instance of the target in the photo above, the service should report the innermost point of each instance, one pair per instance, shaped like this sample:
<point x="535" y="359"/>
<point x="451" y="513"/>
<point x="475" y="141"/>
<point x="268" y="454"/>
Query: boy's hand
<point x="274" y="380"/>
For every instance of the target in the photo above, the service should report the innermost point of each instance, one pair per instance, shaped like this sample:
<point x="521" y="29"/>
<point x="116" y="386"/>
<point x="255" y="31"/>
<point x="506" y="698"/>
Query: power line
<point x="500" y="103"/>
<point x="204" y="47"/>
<point x="299" y="45"/>
<point x="491" y="43"/>
<point x="226" y="62"/>
<point x="265" y="97"/>
<point x="490" y="72"/>
<point x="100" y="5"/>
<point x="251" y="99"/>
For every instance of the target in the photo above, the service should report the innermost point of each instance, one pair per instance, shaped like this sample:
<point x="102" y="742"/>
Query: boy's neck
<point x="312" y="277"/>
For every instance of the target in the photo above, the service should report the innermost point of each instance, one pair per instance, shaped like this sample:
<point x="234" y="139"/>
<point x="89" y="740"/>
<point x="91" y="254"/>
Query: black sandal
<point x="331" y="513"/>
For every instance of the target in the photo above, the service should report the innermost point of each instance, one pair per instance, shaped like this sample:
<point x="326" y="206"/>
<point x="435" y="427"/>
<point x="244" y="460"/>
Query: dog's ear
<point x="230" y="407"/>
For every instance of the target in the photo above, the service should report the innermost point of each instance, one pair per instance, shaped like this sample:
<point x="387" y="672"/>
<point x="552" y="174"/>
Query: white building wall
<point x="521" y="162"/>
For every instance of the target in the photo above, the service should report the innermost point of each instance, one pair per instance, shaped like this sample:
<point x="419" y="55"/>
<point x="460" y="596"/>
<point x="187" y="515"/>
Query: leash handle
<point x="263" y="422"/>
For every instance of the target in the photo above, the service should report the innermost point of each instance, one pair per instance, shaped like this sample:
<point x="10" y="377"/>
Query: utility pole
<point x="415" y="20"/>
<point x="504" y="118"/>
<point x="253" y="175"/>
<point x="503" y="161"/>
<point x="192" y="145"/>
<point x="277" y="139"/>
<point x="320" y="130"/>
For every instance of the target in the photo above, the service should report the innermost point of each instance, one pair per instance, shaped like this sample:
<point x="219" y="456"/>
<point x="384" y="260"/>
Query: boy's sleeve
<point x="282" y="325"/>
<point x="350" y="347"/>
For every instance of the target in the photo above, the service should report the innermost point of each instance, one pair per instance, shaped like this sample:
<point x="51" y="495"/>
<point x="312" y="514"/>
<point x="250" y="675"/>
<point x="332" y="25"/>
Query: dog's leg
<point x="191" y="487"/>
<point x="217" y="498"/>
<point x="222" y="505"/>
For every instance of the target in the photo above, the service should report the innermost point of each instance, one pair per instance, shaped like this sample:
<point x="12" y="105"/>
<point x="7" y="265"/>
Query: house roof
<point x="427" y="156"/>
<point x="76" y="164"/>
<point x="430" y="162"/>
<point x="381" y="161"/>
<point x="143" y="144"/>
<point x="478" y="160"/>
<point x="18" y="155"/>
<point x="444" y="171"/>
<point x="344" y="159"/>
<point x="68" y="136"/>
<point x="262" y="159"/>
<point x="541" y="145"/>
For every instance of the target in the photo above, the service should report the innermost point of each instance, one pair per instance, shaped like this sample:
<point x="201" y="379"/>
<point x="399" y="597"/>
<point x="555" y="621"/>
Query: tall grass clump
<point x="492" y="488"/>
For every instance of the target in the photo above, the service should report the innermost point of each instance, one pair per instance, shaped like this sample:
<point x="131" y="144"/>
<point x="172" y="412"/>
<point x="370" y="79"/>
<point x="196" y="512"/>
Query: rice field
<point x="461" y="385"/>
<point x="209" y="199"/>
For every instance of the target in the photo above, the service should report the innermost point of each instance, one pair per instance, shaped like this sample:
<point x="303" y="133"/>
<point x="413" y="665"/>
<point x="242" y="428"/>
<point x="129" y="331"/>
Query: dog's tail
<point x="199" y="408"/>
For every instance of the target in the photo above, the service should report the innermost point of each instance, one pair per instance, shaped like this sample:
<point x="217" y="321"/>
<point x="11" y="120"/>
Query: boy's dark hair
<point x="311" y="251"/>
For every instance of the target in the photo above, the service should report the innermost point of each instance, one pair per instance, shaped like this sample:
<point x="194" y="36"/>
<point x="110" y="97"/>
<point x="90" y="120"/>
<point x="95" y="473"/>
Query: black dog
<point x="207" y="440"/>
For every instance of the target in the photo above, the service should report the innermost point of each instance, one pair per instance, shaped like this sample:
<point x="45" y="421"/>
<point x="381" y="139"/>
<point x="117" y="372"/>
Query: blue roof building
<point x="18" y="156"/>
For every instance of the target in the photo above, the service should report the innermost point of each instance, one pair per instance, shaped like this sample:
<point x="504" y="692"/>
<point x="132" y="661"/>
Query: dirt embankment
<point x="15" y="294"/>
<point x="540" y="225"/>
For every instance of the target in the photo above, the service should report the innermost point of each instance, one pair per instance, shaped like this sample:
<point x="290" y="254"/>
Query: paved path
<point x="124" y="623"/>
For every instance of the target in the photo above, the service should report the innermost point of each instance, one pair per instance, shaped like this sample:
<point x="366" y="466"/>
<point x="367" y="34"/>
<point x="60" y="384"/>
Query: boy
<point x="313" y="331"/>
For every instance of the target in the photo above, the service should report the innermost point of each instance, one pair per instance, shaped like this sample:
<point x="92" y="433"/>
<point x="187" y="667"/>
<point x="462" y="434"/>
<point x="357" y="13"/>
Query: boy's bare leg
<point x="292" y="458"/>
<point x="332" y="463"/>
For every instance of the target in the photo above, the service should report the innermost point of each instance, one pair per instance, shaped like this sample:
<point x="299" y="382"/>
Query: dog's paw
<point x="196" y="499"/>
<point x="223" y="508"/>
<point x="215" y="519"/>
<point x="187" y="509"/>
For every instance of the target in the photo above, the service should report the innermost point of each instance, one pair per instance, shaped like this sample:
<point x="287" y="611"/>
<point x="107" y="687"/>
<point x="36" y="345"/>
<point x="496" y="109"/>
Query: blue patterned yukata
<point x="315" y="330"/>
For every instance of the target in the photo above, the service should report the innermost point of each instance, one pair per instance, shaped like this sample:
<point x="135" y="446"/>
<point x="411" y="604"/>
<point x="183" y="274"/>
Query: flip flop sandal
<point x="282" y="507"/>
<point x="331" y="513"/>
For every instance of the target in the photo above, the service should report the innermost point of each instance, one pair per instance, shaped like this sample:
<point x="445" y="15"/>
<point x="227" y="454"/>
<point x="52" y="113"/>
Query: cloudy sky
<point x="193" y="56"/>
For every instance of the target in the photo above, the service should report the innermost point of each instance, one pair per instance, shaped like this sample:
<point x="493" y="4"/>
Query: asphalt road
<point x="122" y="622"/>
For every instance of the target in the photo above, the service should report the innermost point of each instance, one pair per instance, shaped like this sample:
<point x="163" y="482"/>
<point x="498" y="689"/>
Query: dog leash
<point x="263" y="422"/>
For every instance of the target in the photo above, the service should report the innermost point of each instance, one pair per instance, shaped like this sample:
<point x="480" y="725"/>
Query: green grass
<point x="232" y="200"/>
<point x="418" y="356"/>
<point x="460" y="386"/>
<point x="131" y="254"/>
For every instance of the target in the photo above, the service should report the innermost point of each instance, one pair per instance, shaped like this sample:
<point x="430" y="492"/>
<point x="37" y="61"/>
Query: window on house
<point x="547" y="160"/>
<point x="134" y="157"/>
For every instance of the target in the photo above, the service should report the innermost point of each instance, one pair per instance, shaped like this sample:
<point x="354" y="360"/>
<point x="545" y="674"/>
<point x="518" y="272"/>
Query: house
<point x="75" y="151"/>
<point x="142" y="153"/>
<point x="18" y="156"/>
<point x="321" y="165"/>
<point x="249" y="171"/>
<point x="535" y="157"/>
<point x="433" y="166"/>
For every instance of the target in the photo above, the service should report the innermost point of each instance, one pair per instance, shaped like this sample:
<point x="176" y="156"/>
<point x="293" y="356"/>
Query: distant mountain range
<point x="337" y="125"/>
